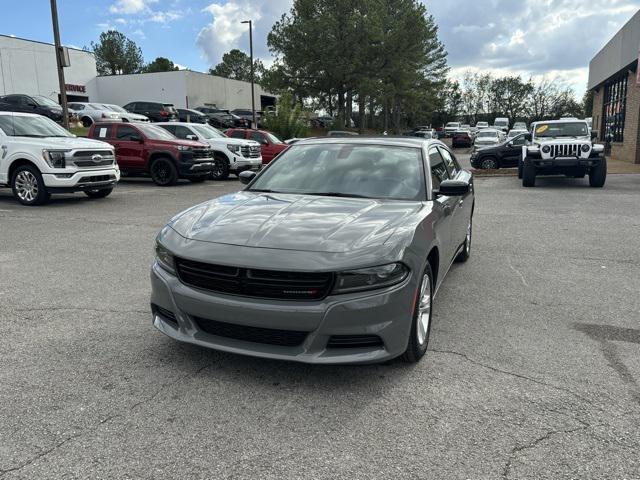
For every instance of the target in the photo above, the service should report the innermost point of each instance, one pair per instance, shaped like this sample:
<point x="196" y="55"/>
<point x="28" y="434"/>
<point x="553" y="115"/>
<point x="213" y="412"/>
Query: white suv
<point x="231" y="155"/>
<point x="38" y="157"/>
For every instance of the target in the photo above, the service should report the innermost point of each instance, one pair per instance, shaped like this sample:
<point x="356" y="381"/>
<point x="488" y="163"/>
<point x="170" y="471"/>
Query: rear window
<point x="101" y="132"/>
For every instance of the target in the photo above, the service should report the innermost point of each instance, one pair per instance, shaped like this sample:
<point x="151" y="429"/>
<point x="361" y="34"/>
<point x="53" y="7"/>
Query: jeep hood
<point x="64" y="143"/>
<point x="295" y="222"/>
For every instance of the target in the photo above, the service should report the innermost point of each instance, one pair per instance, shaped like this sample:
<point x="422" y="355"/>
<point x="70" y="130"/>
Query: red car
<point x="461" y="139"/>
<point x="270" y="144"/>
<point x="150" y="150"/>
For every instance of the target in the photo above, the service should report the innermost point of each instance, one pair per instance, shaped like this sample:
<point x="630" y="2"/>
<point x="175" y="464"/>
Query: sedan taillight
<point x="164" y="113"/>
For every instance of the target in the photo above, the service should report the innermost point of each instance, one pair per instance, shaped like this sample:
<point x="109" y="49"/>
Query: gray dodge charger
<point x="332" y="254"/>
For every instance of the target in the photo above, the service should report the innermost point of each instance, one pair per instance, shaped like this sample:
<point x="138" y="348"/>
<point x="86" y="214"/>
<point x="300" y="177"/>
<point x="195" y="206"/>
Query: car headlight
<point x="165" y="258"/>
<point x="546" y="149"/>
<point x="533" y="148"/>
<point x="585" y="148"/>
<point x="55" y="158"/>
<point x="184" y="148"/>
<point x="370" y="278"/>
<point x="234" y="148"/>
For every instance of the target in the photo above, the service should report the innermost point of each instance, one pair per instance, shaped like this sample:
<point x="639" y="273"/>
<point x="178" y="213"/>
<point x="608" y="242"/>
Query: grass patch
<point x="79" y="131"/>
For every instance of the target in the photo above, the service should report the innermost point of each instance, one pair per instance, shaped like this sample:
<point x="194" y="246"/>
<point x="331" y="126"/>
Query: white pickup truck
<point x="38" y="157"/>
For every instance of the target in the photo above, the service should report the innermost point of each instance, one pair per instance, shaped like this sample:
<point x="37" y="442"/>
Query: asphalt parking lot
<point x="533" y="369"/>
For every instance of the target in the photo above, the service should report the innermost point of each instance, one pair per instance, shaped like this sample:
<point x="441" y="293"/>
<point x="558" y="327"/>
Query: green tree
<point x="587" y="104"/>
<point x="116" y="54"/>
<point x="160" y="64"/>
<point x="289" y="120"/>
<point x="237" y="65"/>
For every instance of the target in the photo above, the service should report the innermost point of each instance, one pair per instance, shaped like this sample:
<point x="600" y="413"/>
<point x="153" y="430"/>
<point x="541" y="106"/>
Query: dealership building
<point x="29" y="67"/>
<point x="614" y="78"/>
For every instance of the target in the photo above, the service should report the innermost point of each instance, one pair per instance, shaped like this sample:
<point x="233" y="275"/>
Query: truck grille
<point x="250" y="151"/>
<point x="201" y="153"/>
<point x="254" y="283"/>
<point x="83" y="158"/>
<point x="565" y="151"/>
<point x="269" y="336"/>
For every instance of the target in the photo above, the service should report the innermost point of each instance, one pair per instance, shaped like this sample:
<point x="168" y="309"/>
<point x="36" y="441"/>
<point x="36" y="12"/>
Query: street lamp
<point x="253" y="97"/>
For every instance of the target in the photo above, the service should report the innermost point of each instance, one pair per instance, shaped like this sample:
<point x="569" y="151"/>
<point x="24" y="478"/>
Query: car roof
<point x="183" y="124"/>
<point x="560" y="120"/>
<point x="399" y="141"/>
<point x="19" y="114"/>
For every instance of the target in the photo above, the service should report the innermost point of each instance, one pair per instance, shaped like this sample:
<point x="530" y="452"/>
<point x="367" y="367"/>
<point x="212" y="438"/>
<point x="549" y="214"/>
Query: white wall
<point x="224" y="92"/>
<point x="165" y="87"/>
<point x="30" y="67"/>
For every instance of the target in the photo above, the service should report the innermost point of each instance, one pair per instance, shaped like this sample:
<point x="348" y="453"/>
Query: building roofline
<point x="44" y="43"/>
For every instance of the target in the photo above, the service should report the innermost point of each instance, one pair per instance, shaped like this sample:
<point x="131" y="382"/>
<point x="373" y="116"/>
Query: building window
<point x="613" y="112"/>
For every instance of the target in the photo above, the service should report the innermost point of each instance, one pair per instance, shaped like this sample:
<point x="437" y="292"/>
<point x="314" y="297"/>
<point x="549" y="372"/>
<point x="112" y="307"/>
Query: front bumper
<point x="243" y="163"/>
<point x="81" y="180"/>
<point x="194" y="167"/>
<point x="385" y="313"/>
<point x="563" y="162"/>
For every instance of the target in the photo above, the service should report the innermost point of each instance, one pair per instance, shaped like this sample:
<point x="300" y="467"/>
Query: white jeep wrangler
<point x="38" y="157"/>
<point x="562" y="147"/>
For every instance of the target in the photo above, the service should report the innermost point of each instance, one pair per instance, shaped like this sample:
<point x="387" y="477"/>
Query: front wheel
<point x="528" y="176"/>
<point x="102" y="193"/>
<point x="86" y="122"/>
<point x="28" y="186"/>
<point x="421" y="324"/>
<point x="598" y="174"/>
<point x="163" y="172"/>
<point x="489" y="163"/>
<point x="220" y="169"/>
<point x="520" y="169"/>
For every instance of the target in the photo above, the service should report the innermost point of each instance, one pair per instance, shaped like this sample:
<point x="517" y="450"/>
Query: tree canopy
<point x="116" y="54"/>
<point x="237" y="65"/>
<point x="160" y="64"/>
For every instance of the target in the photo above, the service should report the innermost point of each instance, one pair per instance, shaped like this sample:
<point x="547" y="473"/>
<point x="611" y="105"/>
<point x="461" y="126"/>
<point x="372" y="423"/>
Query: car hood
<point x="295" y="222"/>
<point x="232" y="141"/>
<point x="67" y="143"/>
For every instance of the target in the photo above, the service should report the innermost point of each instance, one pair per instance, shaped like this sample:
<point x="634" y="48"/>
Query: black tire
<point x="163" y="172"/>
<point x="598" y="174"/>
<point x="199" y="179"/>
<point x="220" y="168"/>
<point x="28" y="186"/>
<point x="465" y="253"/>
<point x="489" y="163"/>
<point x="528" y="176"/>
<point x="86" y="122"/>
<point x="415" y="349"/>
<point x="520" y="166"/>
<point x="102" y="193"/>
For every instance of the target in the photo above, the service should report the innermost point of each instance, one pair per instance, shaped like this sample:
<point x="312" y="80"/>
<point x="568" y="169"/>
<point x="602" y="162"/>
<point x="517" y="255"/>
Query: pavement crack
<point x="524" y="281"/>
<point x="37" y="457"/>
<point x="517" y="375"/>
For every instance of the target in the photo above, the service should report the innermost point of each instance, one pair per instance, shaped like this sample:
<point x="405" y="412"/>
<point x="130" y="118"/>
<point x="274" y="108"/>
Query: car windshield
<point x="513" y="133"/>
<point x="96" y="106"/>
<point x="501" y="123"/>
<point x="347" y="170"/>
<point x="207" y="132"/>
<point x="273" y="138"/>
<point x="116" y="108"/>
<point x="155" y="133"/>
<point x="562" y="129"/>
<point x="47" y="102"/>
<point x="453" y="124"/>
<point x="487" y="134"/>
<point x="482" y="124"/>
<point x="28" y="126"/>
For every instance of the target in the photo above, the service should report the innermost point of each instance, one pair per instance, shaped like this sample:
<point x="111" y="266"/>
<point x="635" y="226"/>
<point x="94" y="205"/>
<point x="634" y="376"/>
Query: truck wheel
<point x="598" y="174"/>
<point x="163" y="172"/>
<point x="489" y="163"/>
<point x="520" y="165"/>
<point x="220" y="169"/>
<point x="421" y="324"/>
<point x="103" y="192"/>
<point x="86" y="122"/>
<point x="528" y="176"/>
<point x="28" y="186"/>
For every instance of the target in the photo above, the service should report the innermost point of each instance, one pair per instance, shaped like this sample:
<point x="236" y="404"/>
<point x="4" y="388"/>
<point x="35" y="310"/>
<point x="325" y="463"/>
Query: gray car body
<point x="313" y="233"/>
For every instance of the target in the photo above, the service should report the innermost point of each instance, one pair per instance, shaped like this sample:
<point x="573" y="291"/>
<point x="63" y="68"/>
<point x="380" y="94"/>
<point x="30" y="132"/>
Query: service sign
<point x="75" y="88"/>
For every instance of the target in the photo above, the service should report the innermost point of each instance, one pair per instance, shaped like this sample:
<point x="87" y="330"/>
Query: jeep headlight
<point x="370" y="278"/>
<point x="55" y="158"/>
<point x="234" y="148"/>
<point x="585" y="148"/>
<point x="546" y="149"/>
<point x="165" y="258"/>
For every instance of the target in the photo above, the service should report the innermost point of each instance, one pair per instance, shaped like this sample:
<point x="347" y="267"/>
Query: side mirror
<point x="192" y="137"/>
<point x="510" y="144"/>
<point x="594" y="134"/>
<point x="247" y="176"/>
<point x="453" y="188"/>
<point x="527" y="137"/>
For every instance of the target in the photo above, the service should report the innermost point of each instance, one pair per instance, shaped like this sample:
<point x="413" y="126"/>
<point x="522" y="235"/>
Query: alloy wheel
<point x="26" y="185"/>
<point x="161" y="173"/>
<point x="489" y="164"/>
<point x="217" y="169"/>
<point x="424" y="310"/>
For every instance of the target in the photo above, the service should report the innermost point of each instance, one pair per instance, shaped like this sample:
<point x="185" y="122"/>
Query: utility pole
<point x="253" y="95"/>
<point x="58" y="48"/>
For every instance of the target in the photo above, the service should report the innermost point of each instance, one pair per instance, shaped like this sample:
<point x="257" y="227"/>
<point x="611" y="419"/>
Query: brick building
<point x="615" y="82"/>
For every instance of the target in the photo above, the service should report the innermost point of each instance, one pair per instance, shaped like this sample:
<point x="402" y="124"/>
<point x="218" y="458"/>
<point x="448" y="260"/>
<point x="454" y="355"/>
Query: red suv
<point x="271" y="145"/>
<point x="150" y="150"/>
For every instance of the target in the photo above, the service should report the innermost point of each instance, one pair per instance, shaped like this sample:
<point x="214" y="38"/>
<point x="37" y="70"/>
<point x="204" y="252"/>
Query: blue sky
<point x="532" y="38"/>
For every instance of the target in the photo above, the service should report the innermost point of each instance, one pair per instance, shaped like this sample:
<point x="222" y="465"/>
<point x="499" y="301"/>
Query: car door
<point x="512" y="151"/>
<point x="129" y="146"/>
<point x="461" y="205"/>
<point x="266" y="148"/>
<point x="443" y="204"/>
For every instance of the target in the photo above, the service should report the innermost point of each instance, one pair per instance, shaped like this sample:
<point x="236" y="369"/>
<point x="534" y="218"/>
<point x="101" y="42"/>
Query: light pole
<point x="253" y="95"/>
<point x="58" y="48"/>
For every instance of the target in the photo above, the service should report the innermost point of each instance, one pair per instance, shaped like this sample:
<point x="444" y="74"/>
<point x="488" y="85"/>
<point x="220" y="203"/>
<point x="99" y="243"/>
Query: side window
<point x="438" y="169"/>
<point x="450" y="161"/>
<point x="519" y="141"/>
<point x="170" y="128"/>
<point x="12" y="99"/>
<point x="258" y="137"/>
<point x="130" y="107"/>
<point x="182" y="132"/>
<point x="237" y="134"/>
<point x="101" y="132"/>
<point x="125" y="132"/>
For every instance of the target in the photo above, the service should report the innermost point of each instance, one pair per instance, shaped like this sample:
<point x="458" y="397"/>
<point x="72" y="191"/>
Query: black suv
<point x="157" y="112"/>
<point x="192" y="116"/>
<point x="32" y="104"/>
<point x="507" y="154"/>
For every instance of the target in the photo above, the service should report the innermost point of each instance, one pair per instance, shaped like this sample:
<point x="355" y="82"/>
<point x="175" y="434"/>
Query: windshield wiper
<point x="263" y="190"/>
<point x="335" y="194"/>
<point x="30" y="135"/>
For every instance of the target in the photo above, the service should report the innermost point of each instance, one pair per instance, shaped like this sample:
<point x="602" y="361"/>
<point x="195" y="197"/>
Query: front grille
<point x="354" y="341"/>
<point x="565" y="150"/>
<point x="269" y="336"/>
<point x="90" y="163"/>
<point x="83" y="158"/>
<point x="97" y="179"/>
<point x="250" y="151"/>
<point x="201" y="153"/>
<point x="89" y="153"/>
<point x="255" y="283"/>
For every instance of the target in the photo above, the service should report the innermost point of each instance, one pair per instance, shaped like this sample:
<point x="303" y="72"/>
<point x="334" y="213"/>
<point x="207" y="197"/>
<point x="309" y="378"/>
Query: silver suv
<point x="562" y="147"/>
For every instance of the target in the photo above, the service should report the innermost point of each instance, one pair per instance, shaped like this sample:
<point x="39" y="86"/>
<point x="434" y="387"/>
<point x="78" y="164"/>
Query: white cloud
<point x="130" y="6"/>
<point x="139" y="33"/>
<point x="164" y="17"/>
<point x="226" y="29"/>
